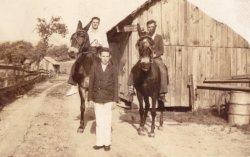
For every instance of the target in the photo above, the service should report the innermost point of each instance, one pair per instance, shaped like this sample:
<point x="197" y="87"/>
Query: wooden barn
<point x="194" y="43"/>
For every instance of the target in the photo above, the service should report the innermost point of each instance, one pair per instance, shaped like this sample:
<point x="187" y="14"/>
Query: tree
<point x="60" y="53"/>
<point x="16" y="52"/>
<point x="47" y="29"/>
<point x="40" y="50"/>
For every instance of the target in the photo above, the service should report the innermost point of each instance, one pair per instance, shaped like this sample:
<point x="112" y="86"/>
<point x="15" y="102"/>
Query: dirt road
<point x="44" y="124"/>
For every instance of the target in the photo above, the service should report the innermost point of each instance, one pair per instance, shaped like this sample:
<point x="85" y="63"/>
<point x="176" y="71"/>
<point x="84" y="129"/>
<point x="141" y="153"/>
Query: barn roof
<point x="51" y="60"/>
<point x="129" y="19"/>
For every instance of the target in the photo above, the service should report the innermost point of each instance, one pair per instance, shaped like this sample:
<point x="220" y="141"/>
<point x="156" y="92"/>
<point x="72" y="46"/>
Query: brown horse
<point x="147" y="81"/>
<point x="83" y="64"/>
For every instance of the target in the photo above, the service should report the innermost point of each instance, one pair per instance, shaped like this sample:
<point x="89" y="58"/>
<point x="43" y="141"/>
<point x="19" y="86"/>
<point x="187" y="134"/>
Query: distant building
<point x="50" y="64"/>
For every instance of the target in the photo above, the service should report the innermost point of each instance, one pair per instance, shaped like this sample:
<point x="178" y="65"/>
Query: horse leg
<point x="146" y="100"/>
<point x="153" y="114"/>
<point x="82" y="94"/>
<point x="141" y="111"/>
<point x="161" y="108"/>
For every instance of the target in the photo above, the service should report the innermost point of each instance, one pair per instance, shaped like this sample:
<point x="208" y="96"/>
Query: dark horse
<point x="83" y="64"/>
<point x="147" y="81"/>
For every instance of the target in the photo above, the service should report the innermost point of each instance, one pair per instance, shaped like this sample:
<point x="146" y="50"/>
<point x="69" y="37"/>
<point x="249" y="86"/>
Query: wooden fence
<point x="13" y="77"/>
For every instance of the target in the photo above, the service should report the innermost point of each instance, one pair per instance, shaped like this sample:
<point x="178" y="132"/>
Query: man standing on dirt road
<point x="103" y="93"/>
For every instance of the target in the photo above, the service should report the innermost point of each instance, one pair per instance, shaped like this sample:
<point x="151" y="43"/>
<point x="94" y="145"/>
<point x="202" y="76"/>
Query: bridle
<point x="76" y="39"/>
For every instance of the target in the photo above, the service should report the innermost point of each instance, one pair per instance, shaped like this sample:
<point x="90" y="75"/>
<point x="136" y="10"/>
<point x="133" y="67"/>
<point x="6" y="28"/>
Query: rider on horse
<point x="156" y="42"/>
<point x="97" y="40"/>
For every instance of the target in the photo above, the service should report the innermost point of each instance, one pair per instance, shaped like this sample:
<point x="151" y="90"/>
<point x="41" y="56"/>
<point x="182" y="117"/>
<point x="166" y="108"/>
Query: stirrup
<point x="162" y="98"/>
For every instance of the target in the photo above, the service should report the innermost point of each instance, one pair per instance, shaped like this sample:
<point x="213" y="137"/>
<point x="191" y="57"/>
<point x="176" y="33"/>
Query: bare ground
<point x="43" y="123"/>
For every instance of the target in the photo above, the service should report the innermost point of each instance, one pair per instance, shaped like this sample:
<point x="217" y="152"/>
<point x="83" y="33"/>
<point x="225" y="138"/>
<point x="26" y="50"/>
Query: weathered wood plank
<point x="124" y="67"/>
<point x="213" y="32"/>
<point x="173" y="22"/>
<point x="239" y="69"/>
<point x="190" y="67"/>
<point x="134" y="52"/>
<point x="214" y="73"/>
<point x="244" y="64"/>
<point x="201" y="27"/>
<point x="195" y="70"/>
<point x="218" y="35"/>
<point x="184" y="88"/>
<point x="182" y="21"/>
<point x="172" y="77"/>
<point x="165" y="22"/>
<point x="193" y="21"/>
<point x="230" y="37"/>
<point x="190" y="20"/>
<point x="227" y="62"/>
<point x="235" y="39"/>
<point x="248" y="61"/>
<point x="178" y="76"/>
<point x="208" y="72"/>
<point x="155" y="13"/>
<point x="207" y="24"/>
<point x="166" y="59"/>
<point x="233" y="61"/>
<point x="202" y="74"/>
<point x="223" y="36"/>
<point x="222" y="60"/>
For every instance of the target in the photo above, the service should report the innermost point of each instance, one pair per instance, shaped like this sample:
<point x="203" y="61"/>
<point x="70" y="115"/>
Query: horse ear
<point x="141" y="31"/>
<point x="79" y="26"/>
<point x="86" y="28"/>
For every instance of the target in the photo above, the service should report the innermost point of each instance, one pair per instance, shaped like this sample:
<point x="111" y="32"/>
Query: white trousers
<point x="103" y="114"/>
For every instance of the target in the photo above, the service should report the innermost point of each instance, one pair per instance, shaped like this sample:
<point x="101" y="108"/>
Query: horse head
<point x="80" y="39"/>
<point x="146" y="58"/>
<point x="145" y="45"/>
<point x="80" y="43"/>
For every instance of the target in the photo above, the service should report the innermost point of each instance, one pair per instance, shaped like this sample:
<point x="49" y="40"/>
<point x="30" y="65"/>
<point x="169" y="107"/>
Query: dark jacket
<point x="103" y="85"/>
<point x="158" y="45"/>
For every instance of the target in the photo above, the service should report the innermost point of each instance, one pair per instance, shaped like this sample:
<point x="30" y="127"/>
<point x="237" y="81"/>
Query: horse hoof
<point x="80" y="130"/>
<point x="160" y="128"/>
<point x="151" y="135"/>
<point x="141" y="132"/>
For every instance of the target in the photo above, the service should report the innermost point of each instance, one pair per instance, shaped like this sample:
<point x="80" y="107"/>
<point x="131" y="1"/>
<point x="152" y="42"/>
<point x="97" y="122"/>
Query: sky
<point x="234" y="13"/>
<point x="19" y="17"/>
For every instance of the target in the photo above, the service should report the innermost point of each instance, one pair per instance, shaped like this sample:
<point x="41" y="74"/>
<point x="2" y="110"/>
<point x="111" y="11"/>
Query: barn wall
<point x="194" y="44"/>
<point x="202" y="62"/>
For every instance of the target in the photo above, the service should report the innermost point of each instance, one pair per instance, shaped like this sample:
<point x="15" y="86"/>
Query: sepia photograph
<point x="125" y="78"/>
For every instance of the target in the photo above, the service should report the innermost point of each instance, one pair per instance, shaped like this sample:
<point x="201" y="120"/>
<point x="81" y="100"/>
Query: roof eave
<point x="129" y="19"/>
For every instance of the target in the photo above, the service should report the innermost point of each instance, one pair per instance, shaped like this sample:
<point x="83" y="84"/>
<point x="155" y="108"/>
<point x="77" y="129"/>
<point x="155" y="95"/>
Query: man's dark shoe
<point x="107" y="148"/>
<point x="97" y="147"/>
